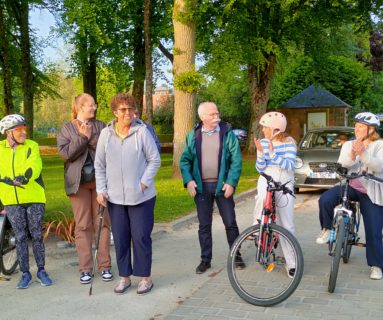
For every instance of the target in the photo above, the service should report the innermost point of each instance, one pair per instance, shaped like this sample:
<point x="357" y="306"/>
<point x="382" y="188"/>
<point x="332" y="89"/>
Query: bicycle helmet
<point x="367" y="118"/>
<point x="10" y="121"/>
<point x="274" y="120"/>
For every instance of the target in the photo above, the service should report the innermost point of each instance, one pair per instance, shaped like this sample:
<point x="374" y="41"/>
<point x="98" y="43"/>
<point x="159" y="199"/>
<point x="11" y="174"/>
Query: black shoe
<point x="203" y="266"/>
<point x="239" y="263"/>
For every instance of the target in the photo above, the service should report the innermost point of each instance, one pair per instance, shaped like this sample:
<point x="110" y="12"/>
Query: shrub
<point x="63" y="226"/>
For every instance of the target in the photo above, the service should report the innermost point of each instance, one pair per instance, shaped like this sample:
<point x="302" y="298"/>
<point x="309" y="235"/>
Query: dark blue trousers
<point x="132" y="226"/>
<point x="372" y="219"/>
<point x="204" y="202"/>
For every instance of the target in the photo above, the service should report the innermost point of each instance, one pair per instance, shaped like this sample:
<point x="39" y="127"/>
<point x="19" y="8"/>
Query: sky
<point x="41" y="22"/>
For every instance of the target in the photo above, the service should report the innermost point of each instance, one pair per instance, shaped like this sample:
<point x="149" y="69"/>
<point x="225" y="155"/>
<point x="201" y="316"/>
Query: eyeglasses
<point x="213" y="114"/>
<point x="124" y="110"/>
<point x="93" y="105"/>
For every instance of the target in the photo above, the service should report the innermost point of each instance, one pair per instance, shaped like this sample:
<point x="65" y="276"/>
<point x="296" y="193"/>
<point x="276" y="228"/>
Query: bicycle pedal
<point x="270" y="267"/>
<point x="362" y="245"/>
<point x="2" y="278"/>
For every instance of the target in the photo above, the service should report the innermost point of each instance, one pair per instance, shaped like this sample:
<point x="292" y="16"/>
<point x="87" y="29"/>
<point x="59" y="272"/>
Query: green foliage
<point x="345" y="77"/>
<point x="163" y="119"/>
<point x="228" y="89"/>
<point x="189" y="81"/>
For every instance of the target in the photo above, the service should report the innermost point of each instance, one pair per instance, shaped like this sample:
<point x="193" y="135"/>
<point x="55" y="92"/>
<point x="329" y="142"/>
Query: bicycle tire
<point x="254" y="283"/>
<point x="8" y="254"/>
<point x="336" y="255"/>
<point x="348" y="241"/>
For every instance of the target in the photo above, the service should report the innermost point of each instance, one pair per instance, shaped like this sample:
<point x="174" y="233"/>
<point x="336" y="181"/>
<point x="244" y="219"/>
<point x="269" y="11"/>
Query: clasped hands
<point x="357" y="148"/>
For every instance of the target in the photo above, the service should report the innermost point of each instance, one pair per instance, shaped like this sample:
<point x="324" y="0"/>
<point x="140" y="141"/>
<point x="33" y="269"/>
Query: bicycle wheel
<point x="336" y="254"/>
<point x="351" y="237"/>
<point x="8" y="255"/>
<point x="264" y="283"/>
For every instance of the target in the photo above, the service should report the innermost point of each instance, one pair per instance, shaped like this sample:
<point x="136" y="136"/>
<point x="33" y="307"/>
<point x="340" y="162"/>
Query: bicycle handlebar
<point x="343" y="172"/>
<point x="277" y="185"/>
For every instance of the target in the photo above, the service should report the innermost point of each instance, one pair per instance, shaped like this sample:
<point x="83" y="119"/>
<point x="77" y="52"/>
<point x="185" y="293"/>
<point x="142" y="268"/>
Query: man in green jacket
<point x="211" y="165"/>
<point x="23" y="195"/>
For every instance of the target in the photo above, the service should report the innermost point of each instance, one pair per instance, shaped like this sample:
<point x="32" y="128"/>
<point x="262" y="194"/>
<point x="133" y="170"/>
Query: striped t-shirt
<point x="283" y="155"/>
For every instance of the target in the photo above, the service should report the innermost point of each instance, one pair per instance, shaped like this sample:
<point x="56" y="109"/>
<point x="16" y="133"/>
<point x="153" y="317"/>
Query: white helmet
<point x="10" y="121"/>
<point x="367" y="118"/>
<point x="274" y="120"/>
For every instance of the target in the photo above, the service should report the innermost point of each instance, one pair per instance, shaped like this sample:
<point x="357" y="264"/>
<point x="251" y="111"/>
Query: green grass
<point x="173" y="201"/>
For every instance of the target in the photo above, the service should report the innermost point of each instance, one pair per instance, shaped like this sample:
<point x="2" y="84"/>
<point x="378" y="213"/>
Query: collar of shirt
<point x="210" y="132"/>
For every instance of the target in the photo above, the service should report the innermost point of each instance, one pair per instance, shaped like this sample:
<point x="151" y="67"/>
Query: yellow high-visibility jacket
<point x="24" y="160"/>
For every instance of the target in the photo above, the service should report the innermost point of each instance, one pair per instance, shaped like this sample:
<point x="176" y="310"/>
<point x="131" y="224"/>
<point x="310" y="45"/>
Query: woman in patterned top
<point x="276" y="154"/>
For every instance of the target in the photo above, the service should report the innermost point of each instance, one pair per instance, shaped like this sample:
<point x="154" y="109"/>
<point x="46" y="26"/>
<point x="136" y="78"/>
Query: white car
<point x="318" y="153"/>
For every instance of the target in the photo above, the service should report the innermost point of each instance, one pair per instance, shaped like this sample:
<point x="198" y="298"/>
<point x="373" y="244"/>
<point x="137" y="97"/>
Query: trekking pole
<point x="101" y="213"/>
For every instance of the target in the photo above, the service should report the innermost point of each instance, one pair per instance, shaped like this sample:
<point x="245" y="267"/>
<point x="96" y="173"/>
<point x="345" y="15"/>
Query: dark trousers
<point x="133" y="225"/>
<point x="372" y="219"/>
<point x="24" y="218"/>
<point x="204" y="203"/>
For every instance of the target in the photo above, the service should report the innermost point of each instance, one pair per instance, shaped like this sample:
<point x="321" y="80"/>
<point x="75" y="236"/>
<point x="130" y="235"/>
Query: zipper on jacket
<point x="13" y="170"/>
<point x="122" y="170"/>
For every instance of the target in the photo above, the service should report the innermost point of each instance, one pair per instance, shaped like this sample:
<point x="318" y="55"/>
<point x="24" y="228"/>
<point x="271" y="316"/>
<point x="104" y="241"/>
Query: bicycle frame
<point x="267" y="241"/>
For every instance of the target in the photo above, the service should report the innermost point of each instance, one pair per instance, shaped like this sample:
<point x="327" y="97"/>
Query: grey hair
<point x="203" y="105"/>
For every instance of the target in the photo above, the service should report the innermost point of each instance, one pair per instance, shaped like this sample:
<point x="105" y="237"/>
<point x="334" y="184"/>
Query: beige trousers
<point x="87" y="219"/>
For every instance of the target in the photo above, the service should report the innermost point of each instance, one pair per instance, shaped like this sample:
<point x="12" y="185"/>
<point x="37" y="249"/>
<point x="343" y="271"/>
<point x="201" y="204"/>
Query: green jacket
<point x="230" y="165"/>
<point x="23" y="160"/>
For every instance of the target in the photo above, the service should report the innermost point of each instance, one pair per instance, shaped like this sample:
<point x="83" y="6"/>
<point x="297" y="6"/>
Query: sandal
<point x="144" y="287"/>
<point x="122" y="286"/>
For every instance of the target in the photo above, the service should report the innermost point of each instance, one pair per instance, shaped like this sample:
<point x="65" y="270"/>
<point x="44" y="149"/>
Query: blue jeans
<point x="132" y="226"/>
<point x="372" y="218"/>
<point x="204" y="202"/>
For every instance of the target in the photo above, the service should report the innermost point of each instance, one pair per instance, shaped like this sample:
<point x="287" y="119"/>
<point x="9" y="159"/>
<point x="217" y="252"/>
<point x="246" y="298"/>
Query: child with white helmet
<point x="365" y="153"/>
<point x="24" y="197"/>
<point x="276" y="154"/>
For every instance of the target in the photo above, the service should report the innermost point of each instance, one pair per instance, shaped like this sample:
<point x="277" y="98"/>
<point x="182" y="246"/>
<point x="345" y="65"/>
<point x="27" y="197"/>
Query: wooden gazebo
<point x="314" y="107"/>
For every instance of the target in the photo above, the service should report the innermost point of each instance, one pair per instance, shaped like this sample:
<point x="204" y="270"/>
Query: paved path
<point x="355" y="296"/>
<point x="181" y="294"/>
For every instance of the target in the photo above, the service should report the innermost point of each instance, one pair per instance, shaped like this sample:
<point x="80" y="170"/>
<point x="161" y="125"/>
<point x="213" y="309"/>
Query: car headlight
<point x="298" y="163"/>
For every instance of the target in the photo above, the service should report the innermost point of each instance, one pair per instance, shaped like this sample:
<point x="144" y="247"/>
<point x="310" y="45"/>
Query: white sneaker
<point x="323" y="237"/>
<point x="376" y="273"/>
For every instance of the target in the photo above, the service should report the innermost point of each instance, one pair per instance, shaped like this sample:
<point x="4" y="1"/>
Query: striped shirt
<point x="283" y="155"/>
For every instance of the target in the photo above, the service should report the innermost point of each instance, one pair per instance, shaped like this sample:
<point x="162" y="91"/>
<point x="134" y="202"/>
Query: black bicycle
<point x="344" y="233"/>
<point x="266" y="280"/>
<point x="8" y="255"/>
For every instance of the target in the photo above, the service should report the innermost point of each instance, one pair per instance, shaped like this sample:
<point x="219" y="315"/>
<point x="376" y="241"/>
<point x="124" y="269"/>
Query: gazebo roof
<point x="315" y="96"/>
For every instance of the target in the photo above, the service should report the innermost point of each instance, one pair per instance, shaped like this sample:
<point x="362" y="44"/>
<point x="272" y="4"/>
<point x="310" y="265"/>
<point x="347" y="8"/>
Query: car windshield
<point x="327" y="139"/>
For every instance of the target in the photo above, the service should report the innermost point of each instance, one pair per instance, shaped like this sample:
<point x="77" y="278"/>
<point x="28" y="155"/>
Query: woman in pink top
<point x="365" y="153"/>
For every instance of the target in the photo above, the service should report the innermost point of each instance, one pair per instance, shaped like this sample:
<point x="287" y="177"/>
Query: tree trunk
<point x="259" y="88"/>
<point x="26" y="67"/>
<point x="148" y="61"/>
<point x="5" y="63"/>
<point x="138" y="61"/>
<point x="184" y="59"/>
<point x="88" y="65"/>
